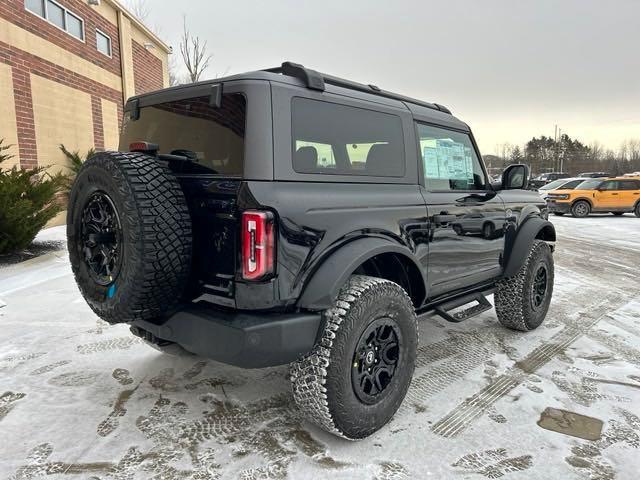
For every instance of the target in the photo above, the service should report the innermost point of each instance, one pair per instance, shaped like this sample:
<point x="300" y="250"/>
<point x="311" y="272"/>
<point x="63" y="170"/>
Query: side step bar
<point x="482" y="306"/>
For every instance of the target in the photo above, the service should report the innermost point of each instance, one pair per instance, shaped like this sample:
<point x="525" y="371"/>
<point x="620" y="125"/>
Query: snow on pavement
<point x="81" y="399"/>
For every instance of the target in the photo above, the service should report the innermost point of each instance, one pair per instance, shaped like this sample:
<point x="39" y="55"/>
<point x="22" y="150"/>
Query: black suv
<point x="287" y="216"/>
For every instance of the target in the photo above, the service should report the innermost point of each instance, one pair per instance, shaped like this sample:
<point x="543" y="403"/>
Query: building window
<point x="103" y="43"/>
<point x="57" y="15"/>
<point x="74" y="26"/>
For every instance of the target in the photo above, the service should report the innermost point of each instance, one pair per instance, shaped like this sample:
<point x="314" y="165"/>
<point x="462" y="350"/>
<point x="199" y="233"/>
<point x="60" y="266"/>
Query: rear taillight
<point x="258" y="244"/>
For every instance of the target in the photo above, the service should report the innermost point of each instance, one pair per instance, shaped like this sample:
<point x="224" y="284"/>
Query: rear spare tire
<point x="129" y="236"/>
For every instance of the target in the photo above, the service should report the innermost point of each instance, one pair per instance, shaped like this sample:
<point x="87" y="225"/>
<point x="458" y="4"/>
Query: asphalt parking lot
<point x="81" y="399"/>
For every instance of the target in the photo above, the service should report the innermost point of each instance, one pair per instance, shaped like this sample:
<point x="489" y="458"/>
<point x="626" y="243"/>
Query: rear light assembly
<point x="144" y="147"/>
<point x="258" y="244"/>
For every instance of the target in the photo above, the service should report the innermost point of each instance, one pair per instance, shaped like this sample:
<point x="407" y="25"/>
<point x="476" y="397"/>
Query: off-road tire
<point x="558" y="214"/>
<point x="581" y="209"/>
<point x="321" y="380"/>
<point x="636" y="210"/>
<point x="514" y="302"/>
<point x="156" y="236"/>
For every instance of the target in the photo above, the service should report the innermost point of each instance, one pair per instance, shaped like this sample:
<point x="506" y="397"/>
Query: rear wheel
<point x="129" y="236"/>
<point x="580" y="209"/>
<point x="488" y="230"/>
<point x="636" y="210"/>
<point x="522" y="301"/>
<point x="356" y="377"/>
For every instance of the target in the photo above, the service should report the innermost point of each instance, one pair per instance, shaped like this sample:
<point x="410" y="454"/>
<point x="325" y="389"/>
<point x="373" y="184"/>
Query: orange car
<point x="615" y="195"/>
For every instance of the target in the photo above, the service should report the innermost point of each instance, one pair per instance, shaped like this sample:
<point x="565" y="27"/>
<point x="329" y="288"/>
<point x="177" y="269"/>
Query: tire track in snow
<point x="462" y="416"/>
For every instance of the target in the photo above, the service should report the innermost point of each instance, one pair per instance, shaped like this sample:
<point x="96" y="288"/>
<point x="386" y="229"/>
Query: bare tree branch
<point x="194" y="53"/>
<point x="140" y="8"/>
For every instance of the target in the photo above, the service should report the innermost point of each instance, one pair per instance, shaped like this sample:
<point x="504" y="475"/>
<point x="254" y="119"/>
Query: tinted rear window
<point x="334" y="139"/>
<point x="629" y="185"/>
<point x="589" y="185"/>
<point x="211" y="137"/>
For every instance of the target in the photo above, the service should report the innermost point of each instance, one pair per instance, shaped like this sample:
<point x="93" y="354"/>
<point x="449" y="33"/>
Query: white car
<point x="563" y="183"/>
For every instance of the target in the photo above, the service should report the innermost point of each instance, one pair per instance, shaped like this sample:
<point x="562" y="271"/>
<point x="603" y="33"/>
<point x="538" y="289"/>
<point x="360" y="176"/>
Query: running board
<point x="482" y="306"/>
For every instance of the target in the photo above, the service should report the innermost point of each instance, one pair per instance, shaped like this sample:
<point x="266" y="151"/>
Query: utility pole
<point x="555" y="143"/>
<point x="562" y="157"/>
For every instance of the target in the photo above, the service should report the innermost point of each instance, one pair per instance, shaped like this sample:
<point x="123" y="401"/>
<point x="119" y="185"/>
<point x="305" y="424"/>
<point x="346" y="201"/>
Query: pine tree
<point x="27" y="202"/>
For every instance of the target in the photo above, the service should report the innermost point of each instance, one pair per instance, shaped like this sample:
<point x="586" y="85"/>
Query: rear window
<point x="211" y="137"/>
<point x="629" y="185"/>
<point x="334" y="139"/>
<point x="589" y="185"/>
<point x="571" y="185"/>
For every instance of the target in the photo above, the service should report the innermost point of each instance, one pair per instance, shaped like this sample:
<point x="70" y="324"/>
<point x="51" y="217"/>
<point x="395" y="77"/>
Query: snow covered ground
<point x="81" y="399"/>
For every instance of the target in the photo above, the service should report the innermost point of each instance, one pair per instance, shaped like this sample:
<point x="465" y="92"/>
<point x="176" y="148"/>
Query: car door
<point x="608" y="195"/>
<point x="466" y="217"/>
<point x="630" y="193"/>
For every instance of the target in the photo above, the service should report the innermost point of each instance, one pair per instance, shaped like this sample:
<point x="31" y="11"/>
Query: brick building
<point x="66" y="68"/>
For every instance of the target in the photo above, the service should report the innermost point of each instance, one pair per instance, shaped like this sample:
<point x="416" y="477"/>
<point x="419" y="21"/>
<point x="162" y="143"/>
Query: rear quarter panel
<point x="315" y="219"/>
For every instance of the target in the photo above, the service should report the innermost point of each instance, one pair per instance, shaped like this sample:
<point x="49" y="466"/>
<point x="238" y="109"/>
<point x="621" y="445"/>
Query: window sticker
<point x="446" y="159"/>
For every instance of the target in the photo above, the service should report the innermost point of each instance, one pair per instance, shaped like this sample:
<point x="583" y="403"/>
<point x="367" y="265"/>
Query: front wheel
<point x="357" y="375"/>
<point x="580" y="209"/>
<point x="522" y="301"/>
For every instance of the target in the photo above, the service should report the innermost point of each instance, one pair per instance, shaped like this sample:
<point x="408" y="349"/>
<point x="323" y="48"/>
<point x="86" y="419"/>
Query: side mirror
<point x="515" y="177"/>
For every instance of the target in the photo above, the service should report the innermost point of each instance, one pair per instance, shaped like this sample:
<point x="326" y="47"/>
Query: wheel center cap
<point x="370" y="357"/>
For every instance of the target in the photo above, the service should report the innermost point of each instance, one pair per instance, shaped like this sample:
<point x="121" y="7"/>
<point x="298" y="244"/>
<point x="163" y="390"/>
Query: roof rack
<point x="316" y="81"/>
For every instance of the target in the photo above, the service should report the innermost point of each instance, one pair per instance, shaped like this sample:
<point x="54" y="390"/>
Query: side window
<point x="329" y="138"/>
<point x="449" y="160"/>
<point x="630" y="185"/>
<point x="571" y="185"/>
<point x="610" y="185"/>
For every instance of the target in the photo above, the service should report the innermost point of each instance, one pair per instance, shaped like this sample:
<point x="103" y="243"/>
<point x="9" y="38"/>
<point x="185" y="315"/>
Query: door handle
<point x="443" y="218"/>
<point x="614" y="194"/>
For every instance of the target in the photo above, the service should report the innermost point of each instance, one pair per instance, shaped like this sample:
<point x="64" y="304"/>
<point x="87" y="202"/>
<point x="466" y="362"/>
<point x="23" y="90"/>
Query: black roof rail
<point x="316" y="81"/>
<point x="312" y="79"/>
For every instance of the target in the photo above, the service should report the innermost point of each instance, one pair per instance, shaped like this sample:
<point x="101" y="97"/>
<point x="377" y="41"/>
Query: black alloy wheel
<point x="101" y="238"/>
<point x="375" y="360"/>
<point x="539" y="287"/>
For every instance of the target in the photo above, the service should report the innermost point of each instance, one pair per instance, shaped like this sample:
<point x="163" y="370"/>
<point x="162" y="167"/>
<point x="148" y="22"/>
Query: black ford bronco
<point x="286" y="216"/>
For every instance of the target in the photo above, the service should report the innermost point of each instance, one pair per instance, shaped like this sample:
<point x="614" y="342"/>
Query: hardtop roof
<point x="422" y="111"/>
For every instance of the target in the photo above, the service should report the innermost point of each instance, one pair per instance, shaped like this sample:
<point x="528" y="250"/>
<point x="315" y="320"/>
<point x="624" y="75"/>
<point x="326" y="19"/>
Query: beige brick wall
<point x="8" y="128"/>
<point x="22" y="39"/>
<point x="62" y="115"/>
<point x="110" y="125"/>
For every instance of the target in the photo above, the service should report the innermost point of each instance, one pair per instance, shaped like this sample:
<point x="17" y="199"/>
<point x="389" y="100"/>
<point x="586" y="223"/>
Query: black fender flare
<point x="323" y="287"/>
<point x="529" y="230"/>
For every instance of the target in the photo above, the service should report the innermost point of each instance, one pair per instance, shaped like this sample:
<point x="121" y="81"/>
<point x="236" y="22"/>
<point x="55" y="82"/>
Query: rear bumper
<point x="246" y="340"/>
<point x="560" y="207"/>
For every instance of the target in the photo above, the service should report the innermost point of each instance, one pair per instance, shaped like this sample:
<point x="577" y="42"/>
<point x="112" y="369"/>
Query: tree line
<point x="546" y="154"/>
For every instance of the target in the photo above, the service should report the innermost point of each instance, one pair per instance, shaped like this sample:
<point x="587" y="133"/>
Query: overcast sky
<point x="511" y="69"/>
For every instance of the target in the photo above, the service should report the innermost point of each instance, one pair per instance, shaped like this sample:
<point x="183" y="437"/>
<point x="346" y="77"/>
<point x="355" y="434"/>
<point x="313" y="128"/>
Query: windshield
<point x="589" y="185"/>
<point x="553" y="185"/>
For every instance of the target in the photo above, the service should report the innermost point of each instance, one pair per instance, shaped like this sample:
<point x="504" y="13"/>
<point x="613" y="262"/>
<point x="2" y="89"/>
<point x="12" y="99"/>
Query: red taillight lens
<point x="258" y="244"/>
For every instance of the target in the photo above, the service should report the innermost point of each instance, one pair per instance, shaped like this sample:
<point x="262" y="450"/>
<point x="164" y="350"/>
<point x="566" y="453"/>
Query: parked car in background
<point x="615" y="195"/>
<point x="545" y="178"/>
<point x="562" y="184"/>
<point x="595" y="175"/>
<point x="633" y="175"/>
